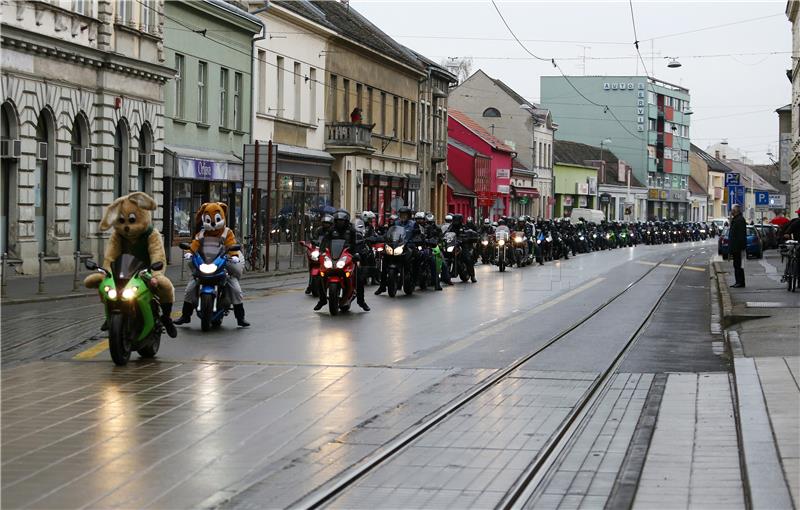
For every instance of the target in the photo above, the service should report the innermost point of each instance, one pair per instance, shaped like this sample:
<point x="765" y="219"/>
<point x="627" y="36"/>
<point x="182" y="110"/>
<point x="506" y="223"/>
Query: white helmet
<point x="448" y="218"/>
<point x="487" y="222"/>
<point x="419" y="215"/>
<point x="367" y="215"/>
<point x="430" y="217"/>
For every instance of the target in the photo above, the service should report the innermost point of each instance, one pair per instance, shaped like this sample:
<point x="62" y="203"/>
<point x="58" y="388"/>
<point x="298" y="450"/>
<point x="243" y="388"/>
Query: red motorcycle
<point x="313" y="258"/>
<point x="338" y="274"/>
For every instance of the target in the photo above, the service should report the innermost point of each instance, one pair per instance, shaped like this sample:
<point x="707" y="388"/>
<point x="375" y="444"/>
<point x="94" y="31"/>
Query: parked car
<point x="755" y="248"/>
<point x="769" y="236"/>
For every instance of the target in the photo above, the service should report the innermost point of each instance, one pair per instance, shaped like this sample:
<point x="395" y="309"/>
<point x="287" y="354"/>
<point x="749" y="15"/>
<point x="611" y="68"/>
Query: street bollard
<point x="277" y="256"/>
<point x="3" y="259"/>
<point x="77" y="255"/>
<point x="41" y="273"/>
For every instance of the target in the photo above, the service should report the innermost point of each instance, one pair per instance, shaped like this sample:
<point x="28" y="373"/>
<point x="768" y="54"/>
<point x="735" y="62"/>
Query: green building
<point x="571" y="186"/>
<point x="207" y="116"/>
<point x="647" y="124"/>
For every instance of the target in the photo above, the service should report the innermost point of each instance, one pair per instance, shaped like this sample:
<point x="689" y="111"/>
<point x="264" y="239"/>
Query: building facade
<point x="207" y="116"/>
<point x="492" y="188"/>
<point x="709" y="172"/>
<point x="82" y="122"/>
<point x="646" y="124"/>
<point x="571" y="188"/>
<point x="526" y="127"/>
<point x="793" y="152"/>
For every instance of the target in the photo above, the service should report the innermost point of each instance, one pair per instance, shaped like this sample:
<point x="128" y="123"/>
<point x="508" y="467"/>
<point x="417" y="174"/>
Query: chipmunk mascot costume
<point x="131" y="218"/>
<point x="212" y="219"/>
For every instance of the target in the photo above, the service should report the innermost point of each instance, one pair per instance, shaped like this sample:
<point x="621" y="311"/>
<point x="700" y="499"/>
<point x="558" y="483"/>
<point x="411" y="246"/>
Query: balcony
<point x="347" y="137"/>
<point x="439" y="152"/>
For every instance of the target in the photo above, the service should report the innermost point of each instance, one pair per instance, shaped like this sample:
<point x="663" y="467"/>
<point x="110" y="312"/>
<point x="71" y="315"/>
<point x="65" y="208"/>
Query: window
<point x="685" y="131"/>
<point x="652" y="125"/>
<point x="146" y="16"/>
<point x="413" y="121"/>
<point x="346" y="99"/>
<point x="237" y="101"/>
<point x="262" y="81"/>
<point x="651" y="98"/>
<point x="82" y="7"/>
<point x="312" y="96"/>
<point x="279" y="88"/>
<point x="370" y="93"/>
<point x="395" y="116"/>
<point x="223" y="97"/>
<point x="297" y="91"/>
<point x="651" y="179"/>
<point x="651" y="151"/>
<point x="667" y="153"/>
<point x="359" y="98"/>
<point x="406" y="126"/>
<point x="125" y="13"/>
<point x="491" y="112"/>
<point x="333" y="91"/>
<point x="383" y="113"/>
<point x="180" y="65"/>
<point x="202" y="92"/>
<point x="684" y="155"/>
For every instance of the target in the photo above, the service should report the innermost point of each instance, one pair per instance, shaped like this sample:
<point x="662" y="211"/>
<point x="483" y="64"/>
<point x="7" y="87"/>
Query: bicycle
<point x="254" y="259"/>
<point x="791" y="273"/>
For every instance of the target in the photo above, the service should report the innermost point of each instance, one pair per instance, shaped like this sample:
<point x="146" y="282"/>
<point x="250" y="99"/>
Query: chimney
<point x="622" y="171"/>
<point x="716" y="154"/>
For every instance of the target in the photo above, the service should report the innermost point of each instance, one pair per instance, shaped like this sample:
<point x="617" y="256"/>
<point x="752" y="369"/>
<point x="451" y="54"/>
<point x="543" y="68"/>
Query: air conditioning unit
<point x="88" y="155"/>
<point x="10" y="148"/>
<point x="147" y="160"/>
<point x="77" y="156"/>
<point x="41" y="150"/>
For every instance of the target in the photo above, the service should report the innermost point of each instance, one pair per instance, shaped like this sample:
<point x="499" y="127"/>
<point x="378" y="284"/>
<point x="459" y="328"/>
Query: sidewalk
<point x="24" y="289"/>
<point x="762" y="324"/>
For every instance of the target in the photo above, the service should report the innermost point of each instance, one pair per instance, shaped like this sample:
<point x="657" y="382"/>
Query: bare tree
<point x="459" y="66"/>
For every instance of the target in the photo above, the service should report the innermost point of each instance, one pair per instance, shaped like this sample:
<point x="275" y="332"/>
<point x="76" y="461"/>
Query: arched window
<point x="122" y="154"/>
<point x="81" y="157"/>
<point x="491" y="112"/>
<point x="146" y="159"/>
<point x="9" y="130"/>
<point x="44" y="180"/>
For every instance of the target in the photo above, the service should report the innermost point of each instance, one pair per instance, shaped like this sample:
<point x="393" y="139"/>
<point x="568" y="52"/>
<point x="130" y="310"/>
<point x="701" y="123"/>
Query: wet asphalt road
<point x="258" y="417"/>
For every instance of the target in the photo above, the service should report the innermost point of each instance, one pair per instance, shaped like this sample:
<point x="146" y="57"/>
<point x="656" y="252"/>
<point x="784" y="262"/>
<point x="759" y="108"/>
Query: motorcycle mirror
<point x="157" y="266"/>
<point x="234" y="247"/>
<point x="184" y="246"/>
<point x="90" y="264"/>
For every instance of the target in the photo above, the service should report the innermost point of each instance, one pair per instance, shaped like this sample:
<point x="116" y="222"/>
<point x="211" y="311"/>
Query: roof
<point x="787" y="108"/>
<point x="518" y="165"/>
<point x="350" y="24"/>
<point x="511" y="92"/>
<point x="241" y="13"/>
<point x="574" y="153"/>
<point x="466" y="121"/>
<point x="465" y="148"/>
<point x="772" y="174"/>
<point x="695" y="188"/>
<point x="712" y="162"/>
<point x="750" y="179"/>
<point x="458" y="189"/>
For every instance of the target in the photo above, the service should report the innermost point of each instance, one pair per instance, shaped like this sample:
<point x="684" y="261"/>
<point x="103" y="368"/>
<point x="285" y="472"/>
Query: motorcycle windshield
<point x="337" y="247"/>
<point x="125" y="267"/>
<point x="395" y="236"/>
<point x="502" y="233"/>
<point x="210" y="248"/>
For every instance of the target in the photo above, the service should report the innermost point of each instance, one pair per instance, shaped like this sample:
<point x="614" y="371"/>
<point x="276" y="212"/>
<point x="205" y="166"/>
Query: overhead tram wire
<point x="606" y="108"/>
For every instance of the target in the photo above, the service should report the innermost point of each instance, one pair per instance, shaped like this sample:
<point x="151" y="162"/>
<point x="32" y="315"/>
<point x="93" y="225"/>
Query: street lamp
<point x="673" y="63"/>
<point x="603" y="143"/>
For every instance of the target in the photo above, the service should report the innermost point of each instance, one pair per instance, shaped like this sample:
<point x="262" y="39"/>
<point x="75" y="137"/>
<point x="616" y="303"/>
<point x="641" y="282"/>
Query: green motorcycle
<point x="132" y="309"/>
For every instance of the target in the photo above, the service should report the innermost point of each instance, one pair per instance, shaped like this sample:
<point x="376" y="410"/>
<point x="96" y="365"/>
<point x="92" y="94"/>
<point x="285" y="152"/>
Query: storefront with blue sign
<point x="192" y="177"/>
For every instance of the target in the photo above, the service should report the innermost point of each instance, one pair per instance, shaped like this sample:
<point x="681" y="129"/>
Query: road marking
<point x="477" y="336"/>
<point x="92" y="351"/>
<point x="672" y="266"/>
<point x="647" y="263"/>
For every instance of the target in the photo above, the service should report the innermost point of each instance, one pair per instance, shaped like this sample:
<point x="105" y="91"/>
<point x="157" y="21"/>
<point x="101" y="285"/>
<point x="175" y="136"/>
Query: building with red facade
<point x="479" y="163"/>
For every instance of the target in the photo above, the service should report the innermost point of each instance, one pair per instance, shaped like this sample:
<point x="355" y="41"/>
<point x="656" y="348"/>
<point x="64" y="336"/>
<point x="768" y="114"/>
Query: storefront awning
<point x="207" y="155"/>
<point x="302" y="161"/>
<point x="191" y="163"/>
<point x="303" y="152"/>
<point x="524" y="191"/>
<point x="458" y="188"/>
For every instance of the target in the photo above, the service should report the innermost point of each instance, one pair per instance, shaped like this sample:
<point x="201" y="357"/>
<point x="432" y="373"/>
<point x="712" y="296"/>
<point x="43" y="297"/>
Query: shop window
<point x="182" y="211"/>
<point x="44" y="180"/>
<point x="146" y="159"/>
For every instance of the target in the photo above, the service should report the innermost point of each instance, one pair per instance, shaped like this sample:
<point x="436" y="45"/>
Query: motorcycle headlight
<point x="398" y="250"/>
<point x="208" y="268"/>
<point x="538" y="241"/>
<point x="501" y="242"/>
<point x="608" y="236"/>
<point x="328" y="263"/>
<point x="624" y="235"/>
<point x="380" y="248"/>
<point x="129" y="293"/>
<point x="315" y="255"/>
<point x="581" y="238"/>
<point x="594" y="236"/>
<point x="450" y="249"/>
<point x="111" y="293"/>
<point x="517" y="239"/>
<point x="702" y="231"/>
<point x="484" y="242"/>
<point x="389" y="250"/>
<point x="340" y="263"/>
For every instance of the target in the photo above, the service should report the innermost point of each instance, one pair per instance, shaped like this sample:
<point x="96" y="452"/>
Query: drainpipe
<point x="253" y="56"/>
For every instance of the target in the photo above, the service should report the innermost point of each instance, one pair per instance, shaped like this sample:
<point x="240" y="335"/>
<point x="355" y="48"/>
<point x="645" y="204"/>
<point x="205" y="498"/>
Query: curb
<point x="762" y="474"/>
<point x="76" y="295"/>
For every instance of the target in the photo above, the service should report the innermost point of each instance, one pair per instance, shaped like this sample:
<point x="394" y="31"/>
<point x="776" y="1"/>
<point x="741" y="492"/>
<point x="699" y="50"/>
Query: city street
<point x="582" y="383"/>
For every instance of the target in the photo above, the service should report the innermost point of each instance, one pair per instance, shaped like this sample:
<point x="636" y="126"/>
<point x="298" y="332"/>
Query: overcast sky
<point x="733" y="96"/>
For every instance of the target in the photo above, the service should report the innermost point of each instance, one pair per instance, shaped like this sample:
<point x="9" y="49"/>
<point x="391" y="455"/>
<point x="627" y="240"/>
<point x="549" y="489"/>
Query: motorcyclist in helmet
<point x="402" y="219"/>
<point x="343" y="229"/>
<point x="325" y="226"/>
<point x="470" y="224"/>
<point x="487" y="227"/>
<point x="428" y="234"/>
<point x="448" y="220"/>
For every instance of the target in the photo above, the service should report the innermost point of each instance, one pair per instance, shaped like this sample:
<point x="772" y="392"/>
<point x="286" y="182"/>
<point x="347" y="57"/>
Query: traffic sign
<point x="777" y="201"/>
<point x="732" y="179"/>
<point x="762" y="198"/>
<point x="735" y="196"/>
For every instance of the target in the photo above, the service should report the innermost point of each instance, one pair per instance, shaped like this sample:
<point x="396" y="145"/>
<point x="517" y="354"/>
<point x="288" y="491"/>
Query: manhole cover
<point x="770" y="304"/>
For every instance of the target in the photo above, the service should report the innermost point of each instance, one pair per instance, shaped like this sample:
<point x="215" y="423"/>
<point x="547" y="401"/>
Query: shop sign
<point x="605" y="198"/>
<point x="503" y="173"/>
<point x="504" y="189"/>
<point x="523" y="200"/>
<point x="206" y="170"/>
<point x="582" y="188"/>
<point x="583" y="201"/>
<point x="592" y="185"/>
<point x="568" y="201"/>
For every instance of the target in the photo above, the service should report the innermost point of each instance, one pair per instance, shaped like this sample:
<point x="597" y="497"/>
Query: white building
<point x="793" y="13"/>
<point x="82" y="106"/>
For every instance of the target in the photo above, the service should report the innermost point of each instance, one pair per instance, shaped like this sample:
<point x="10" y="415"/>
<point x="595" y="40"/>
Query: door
<point x="75" y="211"/>
<point x="40" y="204"/>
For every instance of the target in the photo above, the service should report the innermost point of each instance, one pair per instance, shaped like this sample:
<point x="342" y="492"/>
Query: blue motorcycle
<point x="209" y="269"/>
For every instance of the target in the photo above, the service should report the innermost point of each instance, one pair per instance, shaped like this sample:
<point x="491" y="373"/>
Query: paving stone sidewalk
<point x="763" y="328"/>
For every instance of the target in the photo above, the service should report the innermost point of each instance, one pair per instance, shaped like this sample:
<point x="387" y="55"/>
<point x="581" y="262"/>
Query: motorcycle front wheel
<point x="391" y="282"/>
<point x="408" y="285"/>
<point x="119" y="343"/>
<point x="333" y="298"/>
<point x="151" y="350"/>
<point x="502" y="265"/>
<point x="206" y="311"/>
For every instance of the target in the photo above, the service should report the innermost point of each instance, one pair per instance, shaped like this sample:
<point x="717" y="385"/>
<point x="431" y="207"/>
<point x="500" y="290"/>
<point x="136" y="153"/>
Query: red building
<point x="479" y="163"/>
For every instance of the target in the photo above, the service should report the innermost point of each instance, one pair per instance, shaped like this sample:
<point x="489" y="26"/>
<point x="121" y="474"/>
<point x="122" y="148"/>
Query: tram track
<point x="525" y="485"/>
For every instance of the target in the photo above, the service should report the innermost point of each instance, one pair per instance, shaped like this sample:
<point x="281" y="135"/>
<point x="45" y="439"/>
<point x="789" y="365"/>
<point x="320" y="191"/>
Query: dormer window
<point x="491" y="112"/>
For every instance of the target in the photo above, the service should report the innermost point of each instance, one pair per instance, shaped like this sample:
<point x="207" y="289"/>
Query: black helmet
<point x="404" y="210"/>
<point x="327" y="220"/>
<point x="502" y="221"/>
<point x="341" y="218"/>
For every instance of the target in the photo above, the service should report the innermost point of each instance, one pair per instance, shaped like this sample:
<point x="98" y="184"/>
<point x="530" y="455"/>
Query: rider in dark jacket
<point x="343" y="229"/>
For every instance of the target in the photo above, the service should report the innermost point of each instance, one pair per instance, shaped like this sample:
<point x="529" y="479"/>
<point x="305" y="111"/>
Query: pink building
<point x="487" y="172"/>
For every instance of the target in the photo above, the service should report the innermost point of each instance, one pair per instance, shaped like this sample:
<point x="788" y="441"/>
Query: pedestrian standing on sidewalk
<point x="737" y="239"/>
